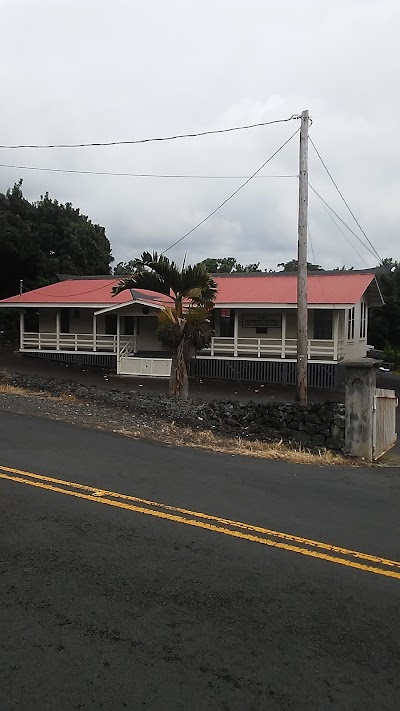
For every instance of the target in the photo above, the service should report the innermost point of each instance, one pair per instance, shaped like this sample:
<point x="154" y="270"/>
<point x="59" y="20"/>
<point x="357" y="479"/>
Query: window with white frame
<point x="350" y="323"/>
<point x="363" y="322"/>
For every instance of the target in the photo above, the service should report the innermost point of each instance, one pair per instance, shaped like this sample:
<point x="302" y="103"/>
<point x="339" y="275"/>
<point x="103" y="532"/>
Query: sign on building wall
<point x="261" y="321"/>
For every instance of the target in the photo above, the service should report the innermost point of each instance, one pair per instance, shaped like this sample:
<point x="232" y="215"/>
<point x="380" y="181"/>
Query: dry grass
<point x="6" y="389"/>
<point x="203" y="439"/>
<point x="14" y="390"/>
<point x="172" y="435"/>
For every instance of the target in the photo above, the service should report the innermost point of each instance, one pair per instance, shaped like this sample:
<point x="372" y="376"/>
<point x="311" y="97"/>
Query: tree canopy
<point x="384" y="322"/>
<point x="125" y="268"/>
<point x="40" y="239"/>
<point x="293" y="265"/>
<point x="228" y="265"/>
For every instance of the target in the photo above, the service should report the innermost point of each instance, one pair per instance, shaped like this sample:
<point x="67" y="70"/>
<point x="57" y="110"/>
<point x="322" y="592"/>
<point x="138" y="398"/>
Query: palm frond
<point x="143" y="280"/>
<point x="197" y="277"/>
<point x="156" y="273"/>
<point x="167" y="315"/>
<point x="161" y="265"/>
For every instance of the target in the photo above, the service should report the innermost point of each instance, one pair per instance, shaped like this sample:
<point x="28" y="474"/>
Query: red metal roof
<point x="73" y="291"/>
<point x="274" y="289"/>
<point x="341" y="288"/>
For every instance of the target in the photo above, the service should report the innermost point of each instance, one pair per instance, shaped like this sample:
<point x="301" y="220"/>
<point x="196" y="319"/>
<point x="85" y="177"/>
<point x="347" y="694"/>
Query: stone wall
<point x="316" y="426"/>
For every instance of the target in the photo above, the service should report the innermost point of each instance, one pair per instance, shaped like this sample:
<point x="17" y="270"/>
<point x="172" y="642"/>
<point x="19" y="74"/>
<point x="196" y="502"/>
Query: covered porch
<point x="130" y="330"/>
<point x="271" y="334"/>
<point x="88" y="331"/>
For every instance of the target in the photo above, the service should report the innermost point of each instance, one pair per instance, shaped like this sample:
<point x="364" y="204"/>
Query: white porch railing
<point x="240" y="347"/>
<point x="273" y="348"/>
<point x="129" y="348"/>
<point x="100" y="342"/>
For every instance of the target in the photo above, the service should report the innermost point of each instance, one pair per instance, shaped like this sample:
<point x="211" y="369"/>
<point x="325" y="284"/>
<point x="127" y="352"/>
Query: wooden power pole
<point x="302" y="317"/>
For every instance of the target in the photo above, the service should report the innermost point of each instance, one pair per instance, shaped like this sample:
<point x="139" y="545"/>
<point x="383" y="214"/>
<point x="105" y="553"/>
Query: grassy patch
<point x="171" y="434"/>
<point x="203" y="439"/>
<point x="14" y="390"/>
<point x="6" y="389"/>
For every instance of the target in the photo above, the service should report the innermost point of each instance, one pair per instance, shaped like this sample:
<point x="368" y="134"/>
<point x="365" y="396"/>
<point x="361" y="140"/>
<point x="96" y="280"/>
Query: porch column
<point x="335" y="334"/>
<point x="118" y="334"/>
<point x="283" y="335"/>
<point x="135" y="330"/>
<point x="235" y="332"/>
<point x="94" y="332"/>
<point x="21" y="329"/>
<point x="58" y="329"/>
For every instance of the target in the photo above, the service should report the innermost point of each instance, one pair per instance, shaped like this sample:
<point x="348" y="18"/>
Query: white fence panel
<point x="156" y="367"/>
<point x="384" y="422"/>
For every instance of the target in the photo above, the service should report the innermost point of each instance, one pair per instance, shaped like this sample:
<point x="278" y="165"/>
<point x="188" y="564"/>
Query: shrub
<point x="392" y="355"/>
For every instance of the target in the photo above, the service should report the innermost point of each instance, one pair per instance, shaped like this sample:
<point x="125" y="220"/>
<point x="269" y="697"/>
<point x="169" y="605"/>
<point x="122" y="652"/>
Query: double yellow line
<point x="237" y="529"/>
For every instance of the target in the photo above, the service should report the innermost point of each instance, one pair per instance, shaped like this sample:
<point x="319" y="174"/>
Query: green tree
<point x="183" y="330"/>
<point x="39" y="240"/>
<point x="125" y="268"/>
<point x="384" y="322"/>
<point x="292" y="266"/>
<point x="228" y="265"/>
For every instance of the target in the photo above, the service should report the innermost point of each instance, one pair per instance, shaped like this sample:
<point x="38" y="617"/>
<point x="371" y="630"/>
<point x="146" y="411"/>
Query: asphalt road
<point x="114" y="603"/>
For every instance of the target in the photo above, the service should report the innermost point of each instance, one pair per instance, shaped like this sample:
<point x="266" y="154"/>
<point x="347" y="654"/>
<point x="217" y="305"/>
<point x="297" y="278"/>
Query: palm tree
<point x="184" y="327"/>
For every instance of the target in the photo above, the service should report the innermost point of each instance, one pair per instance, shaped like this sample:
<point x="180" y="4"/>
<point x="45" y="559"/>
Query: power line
<point x="233" y="194"/>
<point x="344" y="235"/>
<point x="319" y="282"/>
<point x="345" y="202"/>
<point x="344" y="223"/>
<point x="78" y="293"/>
<point x="142" y="175"/>
<point x="311" y="244"/>
<point x="152" y="140"/>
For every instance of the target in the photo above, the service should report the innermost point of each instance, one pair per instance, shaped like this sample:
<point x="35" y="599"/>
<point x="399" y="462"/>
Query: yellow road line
<point x="205" y="525"/>
<point x="208" y="517"/>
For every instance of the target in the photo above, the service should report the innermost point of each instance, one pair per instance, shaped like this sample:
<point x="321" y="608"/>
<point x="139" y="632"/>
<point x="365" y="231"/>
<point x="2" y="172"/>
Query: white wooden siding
<point x="47" y="320"/>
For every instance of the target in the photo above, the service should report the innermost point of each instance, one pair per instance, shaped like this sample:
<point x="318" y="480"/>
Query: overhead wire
<point x="232" y="195"/>
<point x="343" y="198"/>
<point x="344" y="223"/>
<point x="319" y="282"/>
<point x="345" y="236"/>
<point x="80" y="293"/>
<point x="152" y="140"/>
<point x="141" y="175"/>
<point x="311" y="244"/>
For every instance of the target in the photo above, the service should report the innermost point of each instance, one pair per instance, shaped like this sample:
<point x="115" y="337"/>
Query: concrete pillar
<point x="360" y="383"/>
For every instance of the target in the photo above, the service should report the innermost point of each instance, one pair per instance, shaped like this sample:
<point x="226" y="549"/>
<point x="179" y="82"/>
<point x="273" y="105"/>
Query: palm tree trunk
<point x="178" y="382"/>
<point x="172" y="377"/>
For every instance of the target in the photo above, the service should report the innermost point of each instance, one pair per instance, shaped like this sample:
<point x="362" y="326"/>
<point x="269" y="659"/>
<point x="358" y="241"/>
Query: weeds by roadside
<point x="69" y="408"/>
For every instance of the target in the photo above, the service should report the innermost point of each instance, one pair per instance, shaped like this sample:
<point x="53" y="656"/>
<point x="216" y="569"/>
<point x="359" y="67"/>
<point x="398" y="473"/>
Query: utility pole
<point x="302" y="317"/>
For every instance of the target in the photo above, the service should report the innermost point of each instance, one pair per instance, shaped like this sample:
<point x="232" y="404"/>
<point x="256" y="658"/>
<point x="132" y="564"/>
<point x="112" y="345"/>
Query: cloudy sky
<point x="109" y="70"/>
